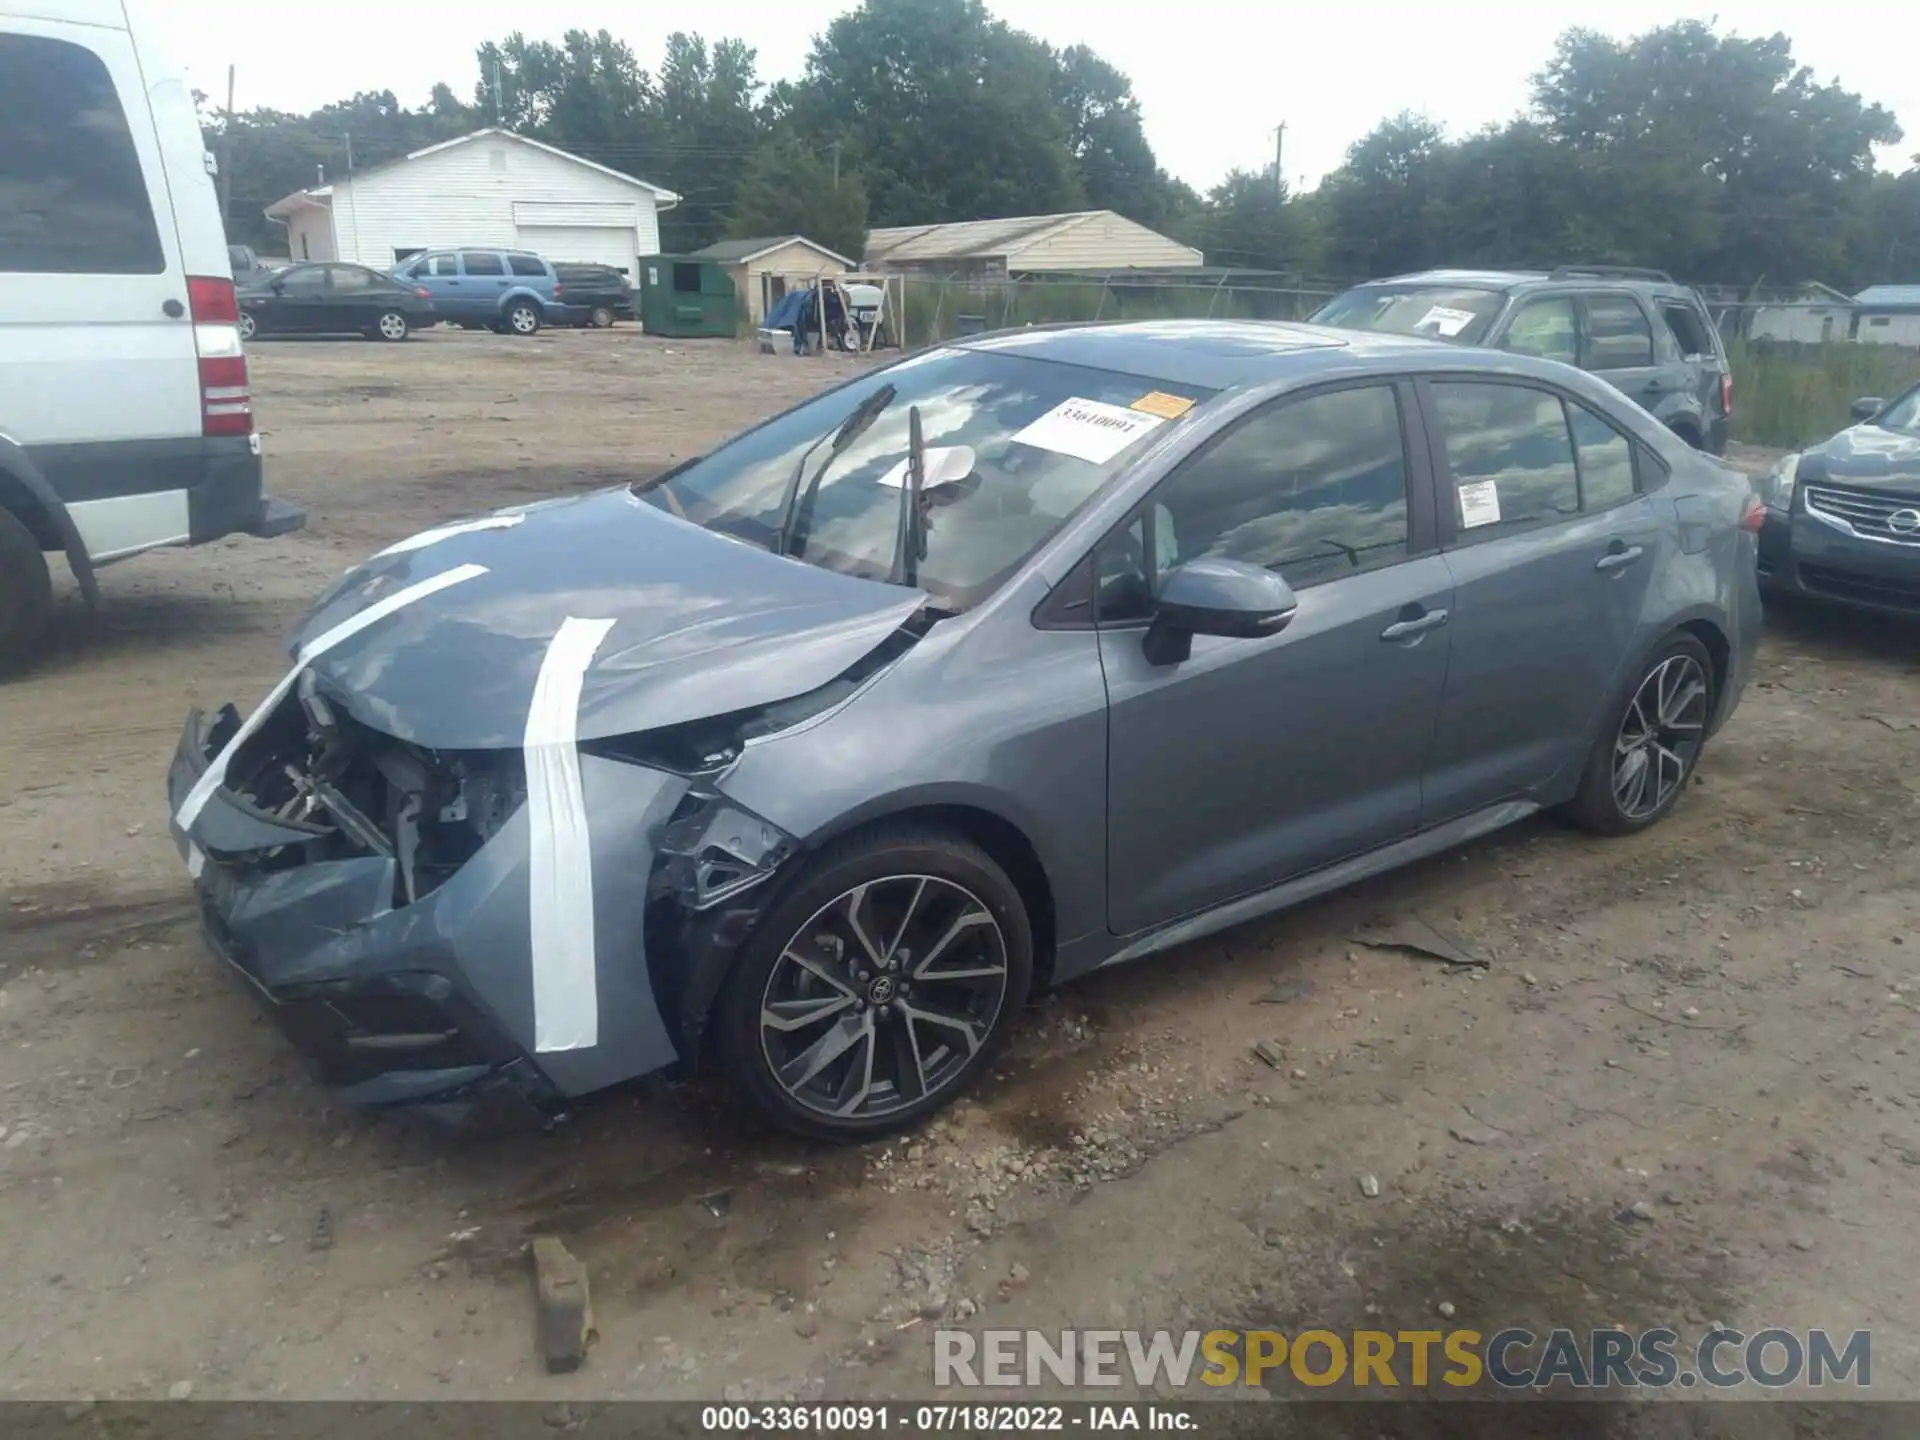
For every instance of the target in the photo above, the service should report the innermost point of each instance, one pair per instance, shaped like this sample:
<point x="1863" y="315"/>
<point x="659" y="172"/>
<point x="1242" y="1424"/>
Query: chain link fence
<point x="939" y="309"/>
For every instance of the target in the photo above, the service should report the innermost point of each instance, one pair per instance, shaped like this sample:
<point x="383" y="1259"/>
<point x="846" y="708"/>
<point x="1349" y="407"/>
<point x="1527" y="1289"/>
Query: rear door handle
<point x="1619" y="559"/>
<point x="1419" y="625"/>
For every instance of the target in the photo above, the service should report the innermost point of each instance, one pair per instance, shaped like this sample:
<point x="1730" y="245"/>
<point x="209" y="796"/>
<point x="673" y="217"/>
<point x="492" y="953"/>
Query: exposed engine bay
<point x="345" y="790"/>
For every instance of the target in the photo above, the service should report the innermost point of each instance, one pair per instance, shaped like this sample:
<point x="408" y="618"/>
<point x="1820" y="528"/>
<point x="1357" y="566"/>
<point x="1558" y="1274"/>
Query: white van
<point x="125" y="418"/>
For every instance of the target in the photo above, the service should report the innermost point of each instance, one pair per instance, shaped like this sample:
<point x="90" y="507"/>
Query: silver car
<point x="1028" y="655"/>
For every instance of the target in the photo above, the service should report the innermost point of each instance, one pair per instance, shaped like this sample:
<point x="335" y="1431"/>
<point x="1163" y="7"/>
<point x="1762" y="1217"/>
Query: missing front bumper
<point x="427" y="1003"/>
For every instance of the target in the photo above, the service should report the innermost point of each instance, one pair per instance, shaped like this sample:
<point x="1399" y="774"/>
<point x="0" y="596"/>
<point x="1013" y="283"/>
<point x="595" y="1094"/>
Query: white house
<point x="1887" y="315"/>
<point x="1810" y="313"/>
<point x="488" y="189"/>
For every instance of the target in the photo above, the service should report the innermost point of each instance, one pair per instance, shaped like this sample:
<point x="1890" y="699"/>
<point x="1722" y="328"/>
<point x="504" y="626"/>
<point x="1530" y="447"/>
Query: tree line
<point x="1716" y="157"/>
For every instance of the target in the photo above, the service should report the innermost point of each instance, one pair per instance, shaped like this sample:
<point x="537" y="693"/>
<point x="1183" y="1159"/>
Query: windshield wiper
<point x="855" y="425"/>
<point x="910" y="539"/>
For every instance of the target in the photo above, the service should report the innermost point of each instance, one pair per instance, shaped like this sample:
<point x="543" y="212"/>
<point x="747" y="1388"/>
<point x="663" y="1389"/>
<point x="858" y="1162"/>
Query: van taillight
<point x="1726" y="394"/>
<point x="226" y="400"/>
<point x="558" y="291"/>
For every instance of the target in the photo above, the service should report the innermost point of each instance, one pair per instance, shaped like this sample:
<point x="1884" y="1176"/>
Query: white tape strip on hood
<point x="566" y="1000"/>
<point x="215" y="774"/>
<point x="447" y="532"/>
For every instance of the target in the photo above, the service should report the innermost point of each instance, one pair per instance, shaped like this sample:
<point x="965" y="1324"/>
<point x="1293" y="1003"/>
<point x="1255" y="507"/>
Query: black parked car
<point x="594" y="295"/>
<point x="333" y="300"/>
<point x="1639" y="330"/>
<point x="1843" y="518"/>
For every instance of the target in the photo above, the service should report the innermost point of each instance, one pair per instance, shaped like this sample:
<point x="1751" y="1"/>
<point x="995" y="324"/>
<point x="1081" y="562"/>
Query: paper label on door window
<point x="1444" y="321"/>
<point x="1479" y="504"/>
<point x="1088" y="430"/>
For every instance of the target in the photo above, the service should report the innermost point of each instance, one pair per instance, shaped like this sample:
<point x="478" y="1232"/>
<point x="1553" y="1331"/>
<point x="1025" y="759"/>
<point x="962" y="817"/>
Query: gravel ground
<point x="1713" y="1022"/>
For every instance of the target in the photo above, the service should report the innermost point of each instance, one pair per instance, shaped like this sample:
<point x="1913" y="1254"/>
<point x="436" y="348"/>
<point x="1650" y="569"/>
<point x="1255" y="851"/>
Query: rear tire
<point x="523" y="319"/>
<point x="26" y="592"/>
<point x="1647" y="751"/>
<point x="601" y="317"/>
<point x="392" y="327"/>
<point x="896" y="1056"/>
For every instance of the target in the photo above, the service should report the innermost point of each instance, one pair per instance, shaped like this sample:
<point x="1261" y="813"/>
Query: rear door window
<point x="1510" y="456"/>
<point x="480" y="262"/>
<point x="73" y="200"/>
<point x="1618" y="336"/>
<point x="526" y="265"/>
<point x="1606" y="460"/>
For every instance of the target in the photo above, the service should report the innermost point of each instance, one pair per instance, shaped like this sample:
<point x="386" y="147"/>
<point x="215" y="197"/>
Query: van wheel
<point x="601" y="317"/>
<point x="26" y="592"/>
<point x="392" y="326"/>
<point x="523" y="319"/>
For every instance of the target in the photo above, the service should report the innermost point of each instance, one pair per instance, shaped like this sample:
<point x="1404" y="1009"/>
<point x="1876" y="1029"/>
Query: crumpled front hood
<point x="1867" y="456"/>
<point x="702" y="625"/>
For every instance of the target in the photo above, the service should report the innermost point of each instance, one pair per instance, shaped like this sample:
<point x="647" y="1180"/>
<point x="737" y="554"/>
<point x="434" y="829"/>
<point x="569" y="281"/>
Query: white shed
<point x="1085" y="242"/>
<point x="1888" y="315"/>
<point x="1810" y="313"/>
<point x="491" y="188"/>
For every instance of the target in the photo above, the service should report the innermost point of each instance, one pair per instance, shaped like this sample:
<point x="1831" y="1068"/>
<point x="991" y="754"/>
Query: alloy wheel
<point x="393" y="326"/>
<point x="523" y="321"/>
<point x="1660" y="736"/>
<point x="247" y="326"/>
<point x="883" y="996"/>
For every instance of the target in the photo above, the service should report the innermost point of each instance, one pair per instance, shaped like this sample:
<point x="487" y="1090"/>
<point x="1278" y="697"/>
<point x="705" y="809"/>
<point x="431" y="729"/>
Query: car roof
<point x="1504" y="280"/>
<point x="1214" y="354"/>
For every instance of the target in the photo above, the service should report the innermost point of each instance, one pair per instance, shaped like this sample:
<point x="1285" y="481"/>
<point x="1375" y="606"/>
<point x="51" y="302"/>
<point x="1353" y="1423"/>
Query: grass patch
<point x="1789" y="395"/>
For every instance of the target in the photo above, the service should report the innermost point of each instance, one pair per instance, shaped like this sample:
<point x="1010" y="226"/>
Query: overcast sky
<point x="1214" y="77"/>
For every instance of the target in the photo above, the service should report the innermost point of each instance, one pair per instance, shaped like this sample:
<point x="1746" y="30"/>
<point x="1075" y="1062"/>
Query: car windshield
<point x="1903" y="414"/>
<point x="1044" y="439"/>
<point x="1444" y="312"/>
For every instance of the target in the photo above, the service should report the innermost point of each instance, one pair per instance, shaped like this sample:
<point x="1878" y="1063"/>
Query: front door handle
<point x="1619" y="559"/>
<point x="1418" y="625"/>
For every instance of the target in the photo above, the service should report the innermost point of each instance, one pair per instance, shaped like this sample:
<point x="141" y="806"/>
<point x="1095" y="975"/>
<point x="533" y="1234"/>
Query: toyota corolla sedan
<point x="1843" y="518"/>
<point x="1031" y="654"/>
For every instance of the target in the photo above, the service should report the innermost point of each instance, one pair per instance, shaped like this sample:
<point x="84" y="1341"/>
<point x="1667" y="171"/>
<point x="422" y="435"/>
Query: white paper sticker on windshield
<point x="1479" y="504"/>
<point x="1088" y="430"/>
<point x="1443" y="321"/>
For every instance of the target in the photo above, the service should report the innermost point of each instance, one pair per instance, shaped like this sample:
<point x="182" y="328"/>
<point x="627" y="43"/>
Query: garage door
<point x="601" y="245"/>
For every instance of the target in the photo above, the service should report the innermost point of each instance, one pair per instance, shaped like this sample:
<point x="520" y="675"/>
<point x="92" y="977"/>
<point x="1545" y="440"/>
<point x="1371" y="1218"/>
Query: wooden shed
<point x="765" y="267"/>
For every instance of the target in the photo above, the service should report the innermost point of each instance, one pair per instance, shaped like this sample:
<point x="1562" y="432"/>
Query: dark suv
<point x="1639" y="330"/>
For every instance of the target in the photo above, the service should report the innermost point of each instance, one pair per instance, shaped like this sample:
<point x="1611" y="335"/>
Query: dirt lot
<point x="1715" y="1019"/>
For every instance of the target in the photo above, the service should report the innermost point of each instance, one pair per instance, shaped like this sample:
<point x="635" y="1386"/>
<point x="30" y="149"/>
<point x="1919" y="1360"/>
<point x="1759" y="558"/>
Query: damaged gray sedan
<point x="811" y="759"/>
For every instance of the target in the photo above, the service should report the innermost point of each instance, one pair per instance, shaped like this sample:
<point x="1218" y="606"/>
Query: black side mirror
<point x="1209" y="596"/>
<point x="1866" y="407"/>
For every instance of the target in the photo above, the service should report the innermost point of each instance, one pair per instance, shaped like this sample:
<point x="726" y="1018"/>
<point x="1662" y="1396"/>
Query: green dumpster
<point x="686" y="297"/>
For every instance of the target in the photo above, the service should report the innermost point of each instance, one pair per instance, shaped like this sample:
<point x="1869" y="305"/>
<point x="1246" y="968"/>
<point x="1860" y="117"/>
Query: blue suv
<point x="510" y="292"/>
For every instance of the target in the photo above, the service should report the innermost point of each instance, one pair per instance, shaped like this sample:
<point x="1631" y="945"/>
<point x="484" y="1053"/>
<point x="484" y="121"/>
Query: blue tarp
<point x="797" y="311"/>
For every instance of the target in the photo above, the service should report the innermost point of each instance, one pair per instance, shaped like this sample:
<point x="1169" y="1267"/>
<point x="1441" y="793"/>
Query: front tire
<point x="879" y="986"/>
<point x="1647" y="751"/>
<point x="249" y="327"/>
<point x="392" y="327"/>
<point x="523" y="319"/>
<point x="26" y="592"/>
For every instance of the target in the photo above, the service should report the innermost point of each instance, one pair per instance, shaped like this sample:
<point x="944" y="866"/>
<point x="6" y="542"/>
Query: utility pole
<point x="226" y="156"/>
<point x="499" y="104"/>
<point x="836" y="164"/>
<point x="1279" y="154"/>
<point x="354" y="201"/>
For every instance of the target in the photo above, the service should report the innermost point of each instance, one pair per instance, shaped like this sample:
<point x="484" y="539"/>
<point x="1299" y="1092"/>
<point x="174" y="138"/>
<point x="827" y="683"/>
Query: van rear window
<point x="72" y="198"/>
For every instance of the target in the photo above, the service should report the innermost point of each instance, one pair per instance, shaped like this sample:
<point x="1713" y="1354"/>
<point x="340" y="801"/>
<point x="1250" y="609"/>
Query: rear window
<point x="526" y="265"/>
<point x="1442" y="312"/>
<point x="72" y="198"/>
<point x="1689" y="327"/>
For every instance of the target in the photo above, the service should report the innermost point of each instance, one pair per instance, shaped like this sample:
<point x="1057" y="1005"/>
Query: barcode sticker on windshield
<point x="1479" y="504"/>
<point x="1444" y="322"/>
<point x="1088" y="430"/>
